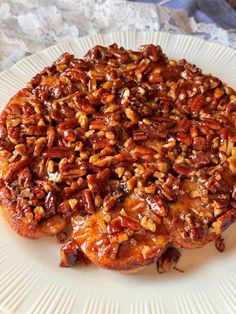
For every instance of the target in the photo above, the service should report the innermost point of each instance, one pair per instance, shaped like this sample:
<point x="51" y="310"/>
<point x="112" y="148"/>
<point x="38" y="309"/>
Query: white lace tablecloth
<point x="27" y="26"/>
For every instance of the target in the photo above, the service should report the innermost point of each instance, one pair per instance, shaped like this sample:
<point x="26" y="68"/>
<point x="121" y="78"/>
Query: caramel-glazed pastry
<point x="133" y="150"/>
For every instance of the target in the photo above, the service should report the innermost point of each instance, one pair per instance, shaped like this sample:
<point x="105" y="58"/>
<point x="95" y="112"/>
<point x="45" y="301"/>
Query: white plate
<point x="32" y="282"/>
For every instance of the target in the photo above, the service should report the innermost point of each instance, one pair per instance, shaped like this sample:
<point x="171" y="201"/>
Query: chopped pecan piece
<point x="87" y="201"/>
<point x="58" y="152"/>
<point x="157" y="205"/>
<point x="73" y="171"/>
<point x="183" y="169"/>
<point x="168" y="260"/>
<point x="129" y="223"/>
<point x="220" y="244"/>
<point x="71" y="255"/>
<point x="114" y="226"/>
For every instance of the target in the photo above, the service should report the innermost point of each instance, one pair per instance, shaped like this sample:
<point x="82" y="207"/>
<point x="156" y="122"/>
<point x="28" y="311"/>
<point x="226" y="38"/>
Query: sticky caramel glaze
<point x="98" y="245"/>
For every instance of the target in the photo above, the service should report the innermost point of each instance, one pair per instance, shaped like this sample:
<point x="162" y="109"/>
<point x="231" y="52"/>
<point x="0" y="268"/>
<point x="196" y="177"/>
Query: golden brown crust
<point x="49" y="227"/>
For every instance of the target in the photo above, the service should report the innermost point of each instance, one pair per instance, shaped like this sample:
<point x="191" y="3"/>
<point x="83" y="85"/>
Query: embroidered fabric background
<point x="31" y="25"/>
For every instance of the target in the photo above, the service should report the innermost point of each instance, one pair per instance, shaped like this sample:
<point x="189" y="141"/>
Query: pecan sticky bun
<point x="134" y="150"/>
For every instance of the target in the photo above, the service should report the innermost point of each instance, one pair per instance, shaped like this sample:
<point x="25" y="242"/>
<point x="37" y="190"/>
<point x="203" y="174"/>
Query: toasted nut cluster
<point x="87" y="133"/>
